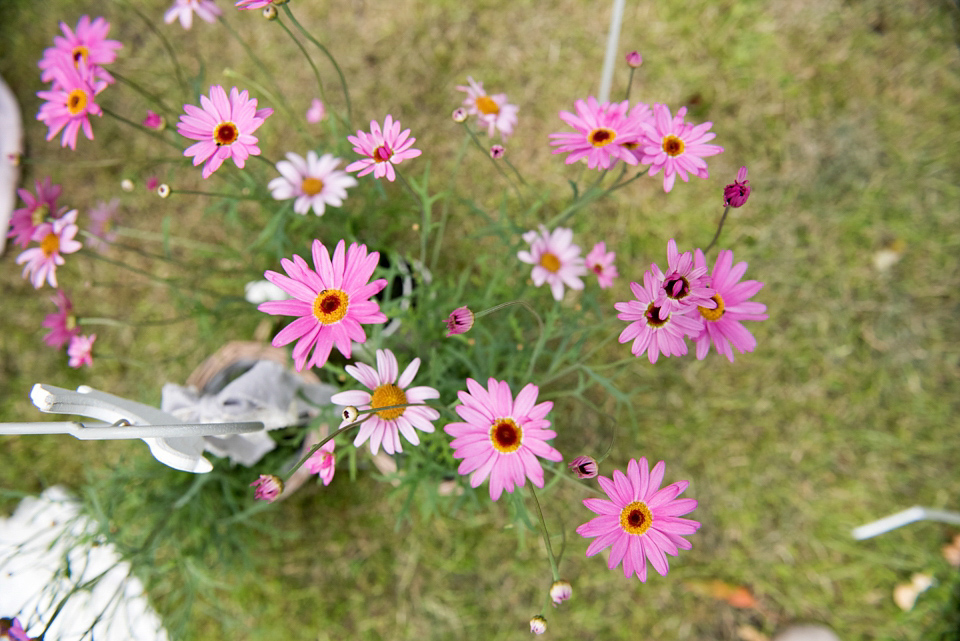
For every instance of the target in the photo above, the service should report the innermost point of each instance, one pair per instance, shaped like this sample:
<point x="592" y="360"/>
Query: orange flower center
<point x="716" y="313"/>
<point x="330" y="306"/>
<point x="311" y="186"/>
<point x="50" y="244"/>
<point x="487" y="106"/>
<point x="550" y="262"/>
<point x="506" y="435"/>
<point x="382" y="153"/>
<point x="80" y="54"/>
<point x="672" y="145"/>
<point x="601" y="137"/>
<point x="226" y="133"/>
<point x="636" y="518"/>
<point x="76" y="101"/>
<point x="386" y="395"/>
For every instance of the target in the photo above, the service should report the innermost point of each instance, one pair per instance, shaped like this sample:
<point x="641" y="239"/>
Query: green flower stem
<point x="719" y="228"/>
<point x="522" y="303"/>
<point x="445" y="210"/>
<point x="333" y="61"/>
<point x="295" y="118"/>
<point x="423" y="197"/>
<point x="253" y="56"/>
<point x="151" y="24"/>
<point x="316" y="72"/>
<point x="214" y="194"/>
<point x="517" y="173"/>
<point x="546" y="536"/>
<point x="541" y="340"/>
<point x="155" y="99"/>
<point x="169" y="282"/>
<point x="496" y="164"/>
<point x="590" y="195"/>
<point x="629" y="83"/>
<point x="150" y="236"/>
<point x="146" y="130"/>
<point x="113" y="322"/>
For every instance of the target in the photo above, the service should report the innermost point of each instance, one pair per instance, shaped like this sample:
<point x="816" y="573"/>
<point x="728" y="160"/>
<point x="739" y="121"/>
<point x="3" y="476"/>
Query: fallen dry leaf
<point x="736" y="595"/>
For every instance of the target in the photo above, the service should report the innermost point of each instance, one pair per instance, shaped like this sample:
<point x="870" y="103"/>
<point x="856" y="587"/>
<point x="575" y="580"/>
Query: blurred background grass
<point x="846" y="115"/>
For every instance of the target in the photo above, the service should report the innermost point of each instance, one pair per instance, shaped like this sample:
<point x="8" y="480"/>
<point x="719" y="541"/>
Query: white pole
<point x="613" y="40"/>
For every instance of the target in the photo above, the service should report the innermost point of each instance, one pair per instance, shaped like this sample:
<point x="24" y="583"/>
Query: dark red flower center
<point x="382" y="153"/>
<point x="653" y="316"/>
<point x="226" y="133"/>
<point x="506" y="435"/>
<point x="330" y="306"/>
<point x="677" y="288"/>
<point x="636" y="518"/>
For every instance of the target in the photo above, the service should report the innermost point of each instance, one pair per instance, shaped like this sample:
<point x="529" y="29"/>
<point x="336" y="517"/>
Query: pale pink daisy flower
<point x="383" y="149"/>
<point x="63" y="325"/>
<point x="721" y="324"/>
<point x="80" y="351"/>
<point x="331" y="300"/>
<point x="603" y="131"/>
<point x="315" y="182"/>
<point x="493" y="112"/>
<point x="676" y="147"/>
<point x="641" y="521"/>
<point x="736" y="194"/>
<point x="24" y="221"/>
<point x="684" y="286"/>
<point x="69" y="105"/>
<point x="654" y="329"/>
<point x="56" y="239"/>
<point x="323" y="462"/>
<point x="102" y="220"/>
<point x="85" y="48"/>
<point x="183" y="10"/>
<point x="154" y="120"/>
<point x="223" y="127"/>
<point x="317" y="111"/>
<point x="389" y="387"/>
<point x="252" y="4"/>
<point x="600" y="262"/>
<point x="502" y="437"/>
<point x="555" y="258"/>
<point x="268" y="488"/>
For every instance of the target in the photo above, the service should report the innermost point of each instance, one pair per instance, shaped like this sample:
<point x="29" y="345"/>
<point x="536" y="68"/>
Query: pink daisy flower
<point x="641" y="521"/>
<point x="314" y="182"/>
<point x="386" y="426"/>
<point x="87" y="47"/>
<point x="502" y="437"/>
<point x="323" y="462"/>
<point x="653" y="328"/>
<point x="223" y="127"/>
<point x="602" y="132"/>
<point x="383" y="149"/>
<point x="555" y="259"/>
<point x="684" y="286"/>
<point x="736" y="194"/>
<point x="183" y="10"/>
<point x="63" y="325"/>
<point x="80" y="351"/>
<point x="460" y="321"/>
<point x="24" y="221"/>
<point x="70" y="104"/>
<point x="102" y="220"/>
<point x="332" y="300"/>
<point x="55" y="239"/>
<point x="600" y="262"/>
<point x="721" y="324"/>
<point x="317" y="112"/>
<point x="268" y="488"/>
<point x="493" y="112"/>
<point x="252" y="4"/>
<point x="676" y="147"/>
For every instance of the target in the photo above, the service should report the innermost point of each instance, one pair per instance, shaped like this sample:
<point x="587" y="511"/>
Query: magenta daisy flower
<point x="24" y="221"/>
<point x="555" y="259"/>
<point x="387" y="425"/>
<point x="684" y="286"/>
<point x="502" y="437"/>
<point x="56" y="239"/>
<point x="653" y="328"/>
<point x="323" y="462"/>
<point x="493" y="112"/>
<point x="70" y="104"/>
<point x="63" y="325"/>
<point x="641" y="521"/>
<point x="383" y="149"/>
<point x="603" y="130"/>
<point x="600" y="262"/>
<point x="223" y="127"/>
<point x="86" y="47"/>
<point x="183" y="10"/>
<point x="80" y="351"/>
<point x="736" y="194"/>
<point x="332" y="300"/>
<point x="721" y="324"/>
<point x="676" y="147"/>
<point x="314" y="182"/>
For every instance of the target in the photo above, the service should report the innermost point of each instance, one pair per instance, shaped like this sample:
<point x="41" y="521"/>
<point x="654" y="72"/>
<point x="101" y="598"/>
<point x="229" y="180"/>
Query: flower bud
<point x="560" y="591"/>
<point x="584" y="467"/>
<point x="163" y="190"/>
<point x="459" y="114"/>
<point x="460" y="321"/>
<point x="538" y="625"/>
<point x="634" y="59"/>
<point x="350" y="414"/>
<point x="268" y="487"/>
<point x="126" y="184"/>
<point x="270" y="12"/>
<point x="736" y="194"/>
<point x="497" y="151"/>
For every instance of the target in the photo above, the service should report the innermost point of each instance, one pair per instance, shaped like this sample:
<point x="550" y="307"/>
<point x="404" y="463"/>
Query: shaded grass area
<point x="845" y="114"/>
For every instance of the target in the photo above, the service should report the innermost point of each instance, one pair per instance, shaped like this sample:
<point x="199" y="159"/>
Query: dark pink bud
<point x="584" y="467"/>
<point x="634" y="59"/>
<point x="460" y="321"/>
<point x="736" y="194"/>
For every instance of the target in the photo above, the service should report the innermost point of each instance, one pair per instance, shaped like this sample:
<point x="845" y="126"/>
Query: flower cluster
<point x="557" y="262"/>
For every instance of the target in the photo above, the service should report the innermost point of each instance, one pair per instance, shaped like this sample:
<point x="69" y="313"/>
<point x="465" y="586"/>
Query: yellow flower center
<point x="506" y="435"/>
<point x="672" y="145"/>
<point x="601" y="137"/>
<point x="70" y="322"/>
<point x="226" y="133"/>
<point x="311" y="186"/>
<point x="716" y="313"/>
<point x="50" y="244"/>
<point x="636" y="518"/>
<point x="80" y="54"/>
<point x="550" y="262"/>
<point x="330" y="306"/>
<point x="487" y="106"/>
<point x="386" y="395"/>
<point x="76" y="101"/>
